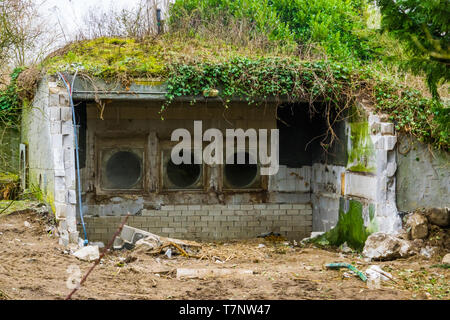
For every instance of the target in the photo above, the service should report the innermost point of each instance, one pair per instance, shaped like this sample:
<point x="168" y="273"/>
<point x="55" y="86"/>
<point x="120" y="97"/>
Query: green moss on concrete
<point x="349" y="228"/>
<point x="361" y="151"/>
<point x="109" y="57"/>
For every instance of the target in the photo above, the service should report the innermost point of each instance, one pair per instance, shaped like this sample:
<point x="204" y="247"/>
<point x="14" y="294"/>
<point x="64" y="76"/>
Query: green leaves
<point x="10" y="104"/>
<point x="423" y="26"/>
<point x="256" y="80"/>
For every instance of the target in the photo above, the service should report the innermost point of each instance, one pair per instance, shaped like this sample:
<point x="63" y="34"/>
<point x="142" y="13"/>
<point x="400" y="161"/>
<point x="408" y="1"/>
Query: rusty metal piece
<point x="118" y="231"/>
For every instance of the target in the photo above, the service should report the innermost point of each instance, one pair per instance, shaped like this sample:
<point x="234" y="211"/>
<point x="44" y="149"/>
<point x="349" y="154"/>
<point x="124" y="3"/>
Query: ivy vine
<point x="10" y="103"/>
<point x="337" y="85"/>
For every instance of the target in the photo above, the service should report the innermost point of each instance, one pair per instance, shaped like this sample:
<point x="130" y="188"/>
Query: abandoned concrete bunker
<point x="125" y="167"/>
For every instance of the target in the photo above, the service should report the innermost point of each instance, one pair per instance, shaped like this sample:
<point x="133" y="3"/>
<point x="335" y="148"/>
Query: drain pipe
<point x="69" y="90"/>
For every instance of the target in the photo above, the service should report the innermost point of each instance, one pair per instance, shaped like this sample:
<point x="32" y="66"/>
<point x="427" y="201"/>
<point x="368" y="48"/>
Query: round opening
<point x="241" y="175"/>
<point x="123" y="170"/>
<point x="183" y="175"/>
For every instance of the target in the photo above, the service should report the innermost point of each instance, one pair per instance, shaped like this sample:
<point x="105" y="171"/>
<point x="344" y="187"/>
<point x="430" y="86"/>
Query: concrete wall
<point x="293" y="202"/>
<point x="368" y="177"/>
<point x="36" y="135"/>
<point x="47" y="131"/>
<point x="281" y="205"/>
<point x="423" y="176"/>
<point x="212" y="221"/>
<point x="326" y="195"/>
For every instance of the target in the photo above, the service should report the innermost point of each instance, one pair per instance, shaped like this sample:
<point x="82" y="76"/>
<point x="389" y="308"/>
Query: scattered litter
<point x="339" y="265"/>
<point x="202" y="273"/>
<point x="345" y="248"/>
<point x="347" y="275"/>
<point x="313" y="235"/>
<point x="99" y="244"/>
<point x="133" y="238"/>
<point x="261" y="245"/>
<point x="88" y="253"/>
<point x="27" y="224"/>
<point x="374" y="273"/>
<point x="428" y="252"/>
<point x="272" y="236"/>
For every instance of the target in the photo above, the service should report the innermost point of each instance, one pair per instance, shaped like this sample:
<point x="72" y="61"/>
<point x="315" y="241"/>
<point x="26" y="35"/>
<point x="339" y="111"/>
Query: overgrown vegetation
<point x="296" y="50"/>
<point x="10" y="104"/>
<point x="423" y="28"/>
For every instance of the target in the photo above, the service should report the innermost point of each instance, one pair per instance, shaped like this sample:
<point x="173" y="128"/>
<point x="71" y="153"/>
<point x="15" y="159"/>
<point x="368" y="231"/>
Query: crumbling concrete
<point x="47" y="130"/>
<point x="418" y="225"/>
<point x="383" y="246"/>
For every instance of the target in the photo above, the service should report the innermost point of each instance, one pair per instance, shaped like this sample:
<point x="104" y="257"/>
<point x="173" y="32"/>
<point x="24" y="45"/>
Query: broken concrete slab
<point x="202" y="273"/>
<point x="419" y="226"/>
<point x="439" y="216"/>
<point x="88" y="253"/>
<point x="446" y="259"/>
<point x="133" y="237"/>
<point x="428" y="252"/>
<point x="383" y="246"/>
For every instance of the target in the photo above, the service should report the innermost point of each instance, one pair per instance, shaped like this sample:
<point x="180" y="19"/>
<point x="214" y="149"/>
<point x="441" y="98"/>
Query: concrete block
<point x="73" y="236"/>
<point x="60" y="183"/>
<point x="67" y="128"/>
<point x="390" y="142"/>
<point x="54" y="113"/>
<point x="63" y="99"/>
<point x="60" y="196"/>
<point x="53" y="99"/>
<point x="387" y="128"/>
<point x="55" y="127"/>
<point x="57" y="141"/>
<point x="61" y="210"/>
<point x="378" y="142"/>
<point x="67" y="141"/>
<point x="72" y="196"/>
<point x="66" y="114"/>
<point x="60" y="173"/>
<point x="360" y="185"/>
<point x="64" y="238"/>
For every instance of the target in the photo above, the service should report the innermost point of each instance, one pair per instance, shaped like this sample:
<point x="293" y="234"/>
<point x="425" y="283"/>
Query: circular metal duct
<point x="183" y="175"/>
<point x="241" y="175"/>
<point x="123" y="170"/>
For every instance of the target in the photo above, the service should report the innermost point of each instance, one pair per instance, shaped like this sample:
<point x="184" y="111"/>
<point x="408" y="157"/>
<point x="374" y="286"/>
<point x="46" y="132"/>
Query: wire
<point x="69" y="90"/>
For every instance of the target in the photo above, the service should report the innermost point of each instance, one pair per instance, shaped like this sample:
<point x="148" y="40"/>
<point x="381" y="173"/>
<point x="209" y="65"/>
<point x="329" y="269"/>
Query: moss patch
<point x="349" y="228"/>
<point x="361" y="152"/>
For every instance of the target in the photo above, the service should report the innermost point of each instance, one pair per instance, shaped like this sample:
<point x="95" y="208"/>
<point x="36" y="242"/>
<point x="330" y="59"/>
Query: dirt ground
<point x="34" y="266"/>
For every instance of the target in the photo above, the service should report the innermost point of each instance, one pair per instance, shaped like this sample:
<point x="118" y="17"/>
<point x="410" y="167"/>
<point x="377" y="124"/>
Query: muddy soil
<point x="34" y="266"/>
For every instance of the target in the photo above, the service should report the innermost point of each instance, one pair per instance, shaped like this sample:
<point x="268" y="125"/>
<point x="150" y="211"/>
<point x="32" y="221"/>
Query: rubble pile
<point x="425" y="232"/>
